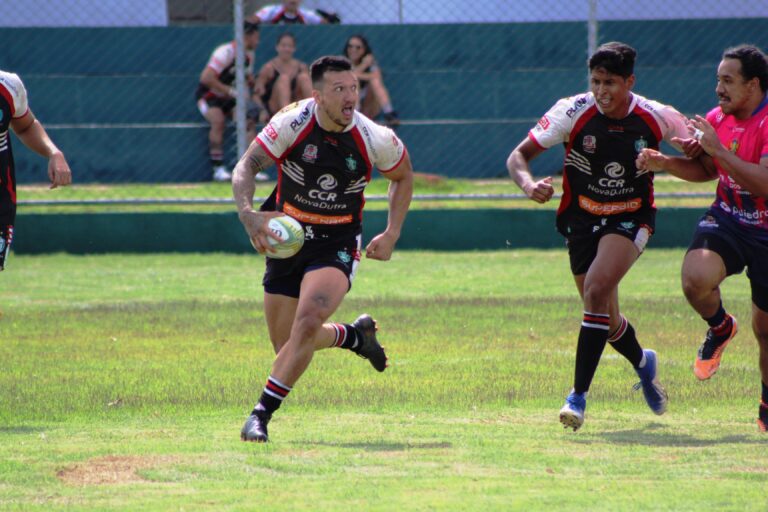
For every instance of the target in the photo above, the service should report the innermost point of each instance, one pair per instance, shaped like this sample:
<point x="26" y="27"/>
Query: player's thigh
<point x="216" y="116"/>
<point x="760" y="312"/>
<point x="615" y="256"/>
<point x="703" y="268"/>
<point x="322" y="290"/>
<point x="279" y="311"/>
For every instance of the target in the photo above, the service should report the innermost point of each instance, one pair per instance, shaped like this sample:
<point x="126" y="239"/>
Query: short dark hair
<point x="616" y="58"/>
<point x="250" y="27"/>
<point x="754" y="63"/>
<point x="327" y="63"/>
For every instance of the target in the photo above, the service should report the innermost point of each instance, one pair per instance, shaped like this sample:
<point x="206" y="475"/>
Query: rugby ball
<point x="292" y="234"/>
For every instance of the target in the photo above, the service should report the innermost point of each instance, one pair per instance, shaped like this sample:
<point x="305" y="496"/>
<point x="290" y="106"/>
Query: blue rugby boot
<point x="654" y="393"/>
<point x="572" y="413"/>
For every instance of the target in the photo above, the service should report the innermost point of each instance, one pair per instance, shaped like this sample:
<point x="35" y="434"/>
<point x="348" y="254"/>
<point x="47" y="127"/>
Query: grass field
<point x="124" y="381"/>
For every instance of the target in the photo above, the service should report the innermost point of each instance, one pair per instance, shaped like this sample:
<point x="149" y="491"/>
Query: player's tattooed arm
<point x="253" y="161"/>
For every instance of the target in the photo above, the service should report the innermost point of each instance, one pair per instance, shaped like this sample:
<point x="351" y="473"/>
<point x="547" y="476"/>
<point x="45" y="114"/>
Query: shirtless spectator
<point x="283" y="79"/>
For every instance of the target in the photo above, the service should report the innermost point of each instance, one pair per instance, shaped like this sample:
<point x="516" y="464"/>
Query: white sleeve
<point x="389" y="149"/>
<point x="310" y="17"/>
<point x="13" y="84"/>
<point x="221" y="58"/>
<point x="673" y="124"/>
<point x="266" y="13"/>
<point x="554" y="127"/>
<point x="278" y="135"/>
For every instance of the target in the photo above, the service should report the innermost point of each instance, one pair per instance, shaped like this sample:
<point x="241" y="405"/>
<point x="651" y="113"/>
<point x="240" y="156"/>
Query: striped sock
<point x="724" y="327"/>
<point x="592" y="338"/>
<point x="346" y="336"/>
<point x="273" y="395"/>
<point x="217" y="158"/>
<point x="624" y="341"/>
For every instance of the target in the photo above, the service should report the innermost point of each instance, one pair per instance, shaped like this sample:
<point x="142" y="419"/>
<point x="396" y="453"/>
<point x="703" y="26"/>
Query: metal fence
<point x="114" y="81"/>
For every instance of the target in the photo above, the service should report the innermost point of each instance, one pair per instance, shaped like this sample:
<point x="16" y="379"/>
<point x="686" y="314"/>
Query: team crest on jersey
<point x="351" y="163"/>
<point x="734" y="146"/>
<point x="590" y="143"/>
<point x="640" y="144"/>
<point x="1" y="115"/>
<point x="310" y="153"/>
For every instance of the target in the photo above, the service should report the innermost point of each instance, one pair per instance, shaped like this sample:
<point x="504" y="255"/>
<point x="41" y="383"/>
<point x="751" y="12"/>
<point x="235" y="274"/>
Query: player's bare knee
<point x="597" y="295"/>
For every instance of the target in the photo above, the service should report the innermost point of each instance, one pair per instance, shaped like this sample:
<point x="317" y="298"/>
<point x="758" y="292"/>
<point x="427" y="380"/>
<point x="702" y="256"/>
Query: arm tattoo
<point x="258" y="161"/>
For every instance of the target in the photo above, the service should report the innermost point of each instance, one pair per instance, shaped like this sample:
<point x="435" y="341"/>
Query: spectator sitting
<point x="374" y="97"/>
<point x="283" y="79"/>
<point x="291" y="12"/>
<point x="216" y="98"/>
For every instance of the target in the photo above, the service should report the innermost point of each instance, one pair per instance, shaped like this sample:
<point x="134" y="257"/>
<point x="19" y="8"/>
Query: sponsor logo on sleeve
<point x="271" y="132"/>
<point x="544" y="123"/>
<point x="300" y="119"/>
<point x="577" y="105"/>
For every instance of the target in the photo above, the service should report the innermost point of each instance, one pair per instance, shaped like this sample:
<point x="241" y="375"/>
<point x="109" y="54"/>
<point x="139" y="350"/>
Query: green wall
<point x="444" y="230"/>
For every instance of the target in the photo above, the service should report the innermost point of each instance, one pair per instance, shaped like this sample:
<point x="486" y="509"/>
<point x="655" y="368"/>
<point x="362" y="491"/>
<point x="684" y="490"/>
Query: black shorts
<point x="737" y="249"/>
<point x="582" y="248"/>
<point x="6" y="237"/>
<point x="283" y="277"/>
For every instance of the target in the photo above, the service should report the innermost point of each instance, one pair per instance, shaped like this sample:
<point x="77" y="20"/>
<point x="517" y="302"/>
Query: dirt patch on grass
<point x="112" y="469"/>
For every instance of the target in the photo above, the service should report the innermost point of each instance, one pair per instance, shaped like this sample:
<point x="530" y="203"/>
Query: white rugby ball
<point x="292" y="234"/>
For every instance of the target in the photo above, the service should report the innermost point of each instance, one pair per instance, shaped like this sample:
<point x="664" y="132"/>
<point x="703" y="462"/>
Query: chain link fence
<point x="114" y="81"/>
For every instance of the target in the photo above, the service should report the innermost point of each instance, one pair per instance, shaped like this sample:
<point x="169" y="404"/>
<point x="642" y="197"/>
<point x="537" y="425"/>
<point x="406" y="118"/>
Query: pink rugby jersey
<point x="747" y="139"/>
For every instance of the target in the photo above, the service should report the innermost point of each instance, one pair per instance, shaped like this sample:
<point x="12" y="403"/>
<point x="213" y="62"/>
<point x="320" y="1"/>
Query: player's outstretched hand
<point x="540" y="191"/>
<point x="706" y="135"/>
<point x="58" y="171"/>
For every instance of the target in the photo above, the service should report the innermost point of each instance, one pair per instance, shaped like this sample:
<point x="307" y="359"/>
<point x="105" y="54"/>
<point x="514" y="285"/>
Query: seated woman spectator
<point x="374" y="97"/>
<point x="283" y="79"/>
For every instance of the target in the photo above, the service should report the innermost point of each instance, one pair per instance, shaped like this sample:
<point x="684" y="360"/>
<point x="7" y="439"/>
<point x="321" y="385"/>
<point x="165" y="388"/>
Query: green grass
<point x="124" y="381"/>
<point x="424" y="185"/>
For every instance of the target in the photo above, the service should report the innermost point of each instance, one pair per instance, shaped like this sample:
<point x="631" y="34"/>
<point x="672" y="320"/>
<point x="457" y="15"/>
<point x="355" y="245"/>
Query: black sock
<point x="346" y="336"/>
<point x="272" y="397"/>
<point x="217" y="158"/>
<point x="717" y="319"/>
<point x="764" y="396"/>
<point x="592" y="338"/>
<point x="624" y="341"/>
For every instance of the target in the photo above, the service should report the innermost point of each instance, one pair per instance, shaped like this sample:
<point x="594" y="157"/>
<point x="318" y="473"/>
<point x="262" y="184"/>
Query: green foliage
<point x="124" y="381"/>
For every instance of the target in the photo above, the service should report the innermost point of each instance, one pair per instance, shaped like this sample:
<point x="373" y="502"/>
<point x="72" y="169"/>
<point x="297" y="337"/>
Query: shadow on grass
<point x="383" y="446"/>
<point x="652" y="436"/>
<point x="20" y="429"/>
